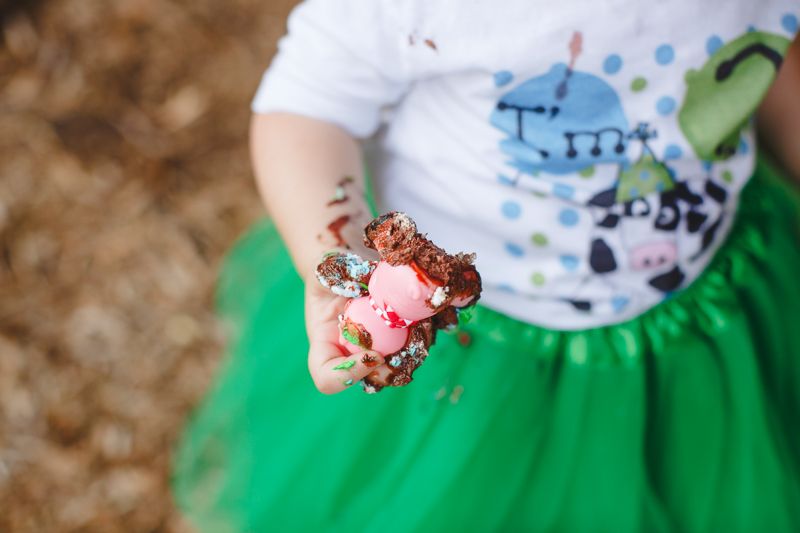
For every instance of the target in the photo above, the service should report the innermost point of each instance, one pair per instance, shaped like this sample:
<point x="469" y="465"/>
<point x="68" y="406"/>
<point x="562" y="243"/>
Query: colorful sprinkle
<point x="348" y="382"/>
<point x="347" y="364"/>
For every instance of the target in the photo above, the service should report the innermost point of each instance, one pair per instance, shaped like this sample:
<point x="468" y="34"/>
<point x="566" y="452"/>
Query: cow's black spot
<point x="581" y="305"/>
<point x="602" y="258"/>
<point x="610" y="221"/>
<point x="695" y="220"/>
<point x="637" y="208"/>
<point x="682" y="191"/>
<point x="604" y="199"/>
<point x="669" y="281"/>
<point x="668" y="217"/>
<point x="716" y="192"/>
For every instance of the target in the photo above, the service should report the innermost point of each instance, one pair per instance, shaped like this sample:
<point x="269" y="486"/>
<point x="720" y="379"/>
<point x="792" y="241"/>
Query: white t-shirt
<point x="591" y="152"/>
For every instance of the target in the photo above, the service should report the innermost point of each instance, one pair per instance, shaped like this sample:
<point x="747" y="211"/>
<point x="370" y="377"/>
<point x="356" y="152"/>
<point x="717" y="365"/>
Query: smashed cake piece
<point x="401" y="301"/>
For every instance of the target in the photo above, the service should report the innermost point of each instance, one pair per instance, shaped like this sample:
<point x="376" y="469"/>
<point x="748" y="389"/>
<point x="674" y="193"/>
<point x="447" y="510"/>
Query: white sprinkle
<point x="439" y="296"/>
<point x="350" y="289"/>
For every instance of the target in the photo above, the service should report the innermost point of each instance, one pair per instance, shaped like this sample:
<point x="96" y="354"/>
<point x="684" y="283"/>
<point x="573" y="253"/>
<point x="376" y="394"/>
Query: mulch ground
<point x="124" y="177"/>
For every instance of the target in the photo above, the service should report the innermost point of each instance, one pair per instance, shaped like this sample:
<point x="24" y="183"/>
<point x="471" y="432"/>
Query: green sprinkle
<point x="347" y="335"/>
<point x="464" y="315"/>
<point x="329" y="254"/>
<point x="363" y="285"/>
<point x="348" y="382"/>
<point x="346" y="365"/>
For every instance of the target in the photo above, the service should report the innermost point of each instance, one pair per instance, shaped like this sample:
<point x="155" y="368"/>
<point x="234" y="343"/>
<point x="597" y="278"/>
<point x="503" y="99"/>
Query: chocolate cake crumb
<point x="396" y="239"/>
<point x="369" y="360"/>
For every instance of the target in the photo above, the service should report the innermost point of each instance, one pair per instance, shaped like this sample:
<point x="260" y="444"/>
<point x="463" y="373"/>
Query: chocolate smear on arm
<point x="335" y="228"/>
<point x="339" y="194"/>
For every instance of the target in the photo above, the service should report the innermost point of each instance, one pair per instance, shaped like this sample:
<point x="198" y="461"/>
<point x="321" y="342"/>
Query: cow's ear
<point x="610" y="221"/>
<point x="605" y="198"/>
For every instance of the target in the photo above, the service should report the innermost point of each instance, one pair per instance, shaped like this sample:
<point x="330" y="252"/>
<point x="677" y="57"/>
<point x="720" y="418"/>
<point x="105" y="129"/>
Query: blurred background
<point x="124" y="178"/>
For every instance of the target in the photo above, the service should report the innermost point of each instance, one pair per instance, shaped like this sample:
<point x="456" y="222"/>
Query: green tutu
<point x="685" y="419"/>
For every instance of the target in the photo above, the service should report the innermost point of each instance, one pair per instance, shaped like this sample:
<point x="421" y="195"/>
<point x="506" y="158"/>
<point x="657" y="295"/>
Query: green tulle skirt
<point x="685" y="419"/>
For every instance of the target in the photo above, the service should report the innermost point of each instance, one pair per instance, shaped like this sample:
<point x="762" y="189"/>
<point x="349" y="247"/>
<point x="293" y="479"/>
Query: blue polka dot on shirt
<point x="612" y="64"/>
<point x="665" y="54"/>
<point x="713" y="44"/>
<point x="569" y="262"/>
<point x="511" y="210"/>
<point x="504" y="180"/>
<point x="568" y="217"/>
<point x="743" y="147"/>
<point x="619" y="303"/>
<point x="514" y="250"/>
<point x="503" y="77"/>
<point x="665" y="105"/>
<point x="564" y="191"/>
<point x="672" y="151"/>
<point x="789" y="23"/>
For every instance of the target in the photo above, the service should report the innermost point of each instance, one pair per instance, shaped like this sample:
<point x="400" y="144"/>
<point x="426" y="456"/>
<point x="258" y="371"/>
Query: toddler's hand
<point x="332" y="368"/>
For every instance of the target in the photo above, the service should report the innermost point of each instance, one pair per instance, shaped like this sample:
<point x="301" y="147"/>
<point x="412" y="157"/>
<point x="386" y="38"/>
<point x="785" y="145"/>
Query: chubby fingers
<point x="334" y="373"/>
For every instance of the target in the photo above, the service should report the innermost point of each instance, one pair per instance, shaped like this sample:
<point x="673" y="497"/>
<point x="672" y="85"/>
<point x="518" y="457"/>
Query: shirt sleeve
<point x="339" y="63"/>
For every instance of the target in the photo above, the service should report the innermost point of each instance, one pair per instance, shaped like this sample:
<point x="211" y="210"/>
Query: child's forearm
<point x="310" y="176"/>
<point x="779" y="114"/>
